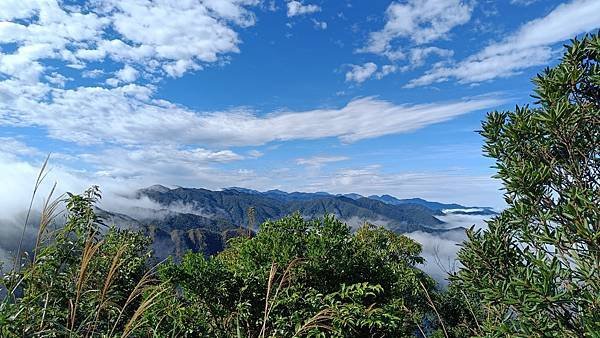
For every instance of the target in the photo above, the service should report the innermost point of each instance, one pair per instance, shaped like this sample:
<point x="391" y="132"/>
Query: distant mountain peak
<point x="244" y="190"/>
<point x="352" y="196"/>
<point x="158" y="188"/>
<point x="276" y="191"/>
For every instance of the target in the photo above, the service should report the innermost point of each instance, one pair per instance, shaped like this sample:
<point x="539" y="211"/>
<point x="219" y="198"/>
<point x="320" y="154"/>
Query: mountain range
<point x="203" y="220"/>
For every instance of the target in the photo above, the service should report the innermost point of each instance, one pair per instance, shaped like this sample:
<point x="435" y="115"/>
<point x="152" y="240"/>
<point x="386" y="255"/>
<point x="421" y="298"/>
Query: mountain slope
<point x="203" y="220"/>
<point x="231" y="206"/>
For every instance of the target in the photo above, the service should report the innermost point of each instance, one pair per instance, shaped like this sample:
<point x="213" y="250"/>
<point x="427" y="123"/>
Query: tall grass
<point x="57" y="292"/>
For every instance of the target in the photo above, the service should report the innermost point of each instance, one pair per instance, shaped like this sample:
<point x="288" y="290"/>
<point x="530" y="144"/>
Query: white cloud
<point x="54" y="34"/>
<point x="128" y="115"/>
<point x="319" y="161"/>
<point x="416" y="58"/>
<point x="12" y="147"/>
<point x="127" y="74"/>
<point x="58" y="79"/>
<point x="420" y="21"/>
<point x="387" y="70"/>
<point x="418" y="55"/>
<point x="529" y="46"/>
<point x="272" y="6"/>
<point x="17" y="9"/>
<point x="164" y="37"/>
<point x="322" y="25"/>
<point x="436" y="186"/>
<point x="156" y="161"/>
<point x="255" y="153"/>
<point x="92" y="74"/>
<point x="523" y="2"/>
<point x="439" y="251"/>
<point x="360" y="73"/>
<point x="295" y="8"/>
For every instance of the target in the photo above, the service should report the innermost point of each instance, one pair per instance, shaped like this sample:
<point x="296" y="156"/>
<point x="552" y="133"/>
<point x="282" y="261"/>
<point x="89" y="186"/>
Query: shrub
<point x="304" y="278"/>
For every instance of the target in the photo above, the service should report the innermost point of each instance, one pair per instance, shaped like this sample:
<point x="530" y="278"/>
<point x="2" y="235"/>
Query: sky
<point x="371" y="97"/>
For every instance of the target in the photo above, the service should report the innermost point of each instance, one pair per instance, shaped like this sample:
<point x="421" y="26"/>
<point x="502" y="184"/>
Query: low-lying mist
<point x="439" y="249"/>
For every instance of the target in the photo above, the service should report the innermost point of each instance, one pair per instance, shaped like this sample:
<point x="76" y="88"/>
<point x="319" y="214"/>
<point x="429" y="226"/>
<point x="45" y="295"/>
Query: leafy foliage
<point x="294" y="278"/>
<point x="84" y="279"/>
<point x="536" y="269"/>
<point x="304" y="278"/>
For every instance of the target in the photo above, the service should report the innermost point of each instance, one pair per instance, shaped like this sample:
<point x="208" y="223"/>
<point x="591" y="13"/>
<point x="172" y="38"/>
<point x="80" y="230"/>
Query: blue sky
<point x="346" y="96"/>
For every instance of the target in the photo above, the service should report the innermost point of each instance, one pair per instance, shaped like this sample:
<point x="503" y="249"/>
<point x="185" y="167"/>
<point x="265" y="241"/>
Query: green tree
<point x="536" y="269"/>
<point x="302" y="278"/>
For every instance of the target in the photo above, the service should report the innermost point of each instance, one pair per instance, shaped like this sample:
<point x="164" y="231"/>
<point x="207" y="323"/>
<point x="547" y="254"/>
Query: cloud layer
<point x="129" y="115"/>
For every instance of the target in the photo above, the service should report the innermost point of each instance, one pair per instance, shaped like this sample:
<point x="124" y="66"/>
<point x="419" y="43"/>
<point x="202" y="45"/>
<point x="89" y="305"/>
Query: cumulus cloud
<point x="387" y="70"/>
<point x="360" y="73"/>
<point x="420" y="21"/>
<point x="529" y="46"/>
<point x="127" y="74"/>
<point x="409" y="26"/>
<point x="295" y="8"/>
<point x="165" y="37"/>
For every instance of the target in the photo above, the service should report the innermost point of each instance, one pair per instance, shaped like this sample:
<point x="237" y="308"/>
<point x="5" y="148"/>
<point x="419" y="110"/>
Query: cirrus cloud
<point x="529" y="46"/>
<point x="129" y="115"/>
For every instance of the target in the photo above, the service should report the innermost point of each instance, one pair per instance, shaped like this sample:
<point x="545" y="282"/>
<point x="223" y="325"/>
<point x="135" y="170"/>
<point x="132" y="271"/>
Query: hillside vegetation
<point x="534" y="272"/>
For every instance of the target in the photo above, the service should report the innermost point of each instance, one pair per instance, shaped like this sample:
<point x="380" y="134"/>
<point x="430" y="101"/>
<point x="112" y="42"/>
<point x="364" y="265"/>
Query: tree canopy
<point x="536" y="269"/>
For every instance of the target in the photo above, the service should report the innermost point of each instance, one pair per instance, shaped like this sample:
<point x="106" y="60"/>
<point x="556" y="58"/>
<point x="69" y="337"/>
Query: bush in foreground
<point x="298" y="278"/>
<point x="294" y="278"/>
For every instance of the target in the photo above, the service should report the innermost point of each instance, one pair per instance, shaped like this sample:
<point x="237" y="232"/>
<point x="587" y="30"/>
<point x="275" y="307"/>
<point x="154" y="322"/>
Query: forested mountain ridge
<point x="203" y="220"/>
<point x="231" y="206"/>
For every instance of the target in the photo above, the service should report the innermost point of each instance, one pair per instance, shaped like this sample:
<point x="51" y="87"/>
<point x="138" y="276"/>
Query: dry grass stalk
<point x="285" y="278"/>
<point x="38" y="182"/>
<point x="132" y="324"/>
<point x="272" y="274"/>
<point x="283" y="281"/>
<point x="45" y="305"/>
<point x="434" y="309"/>
<point x="116" y="262"/>
<point x="89" y="251"/>
<point x="48" y="215"/>
<point x="139" y="288"/>
<point x="317" y="321"/>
